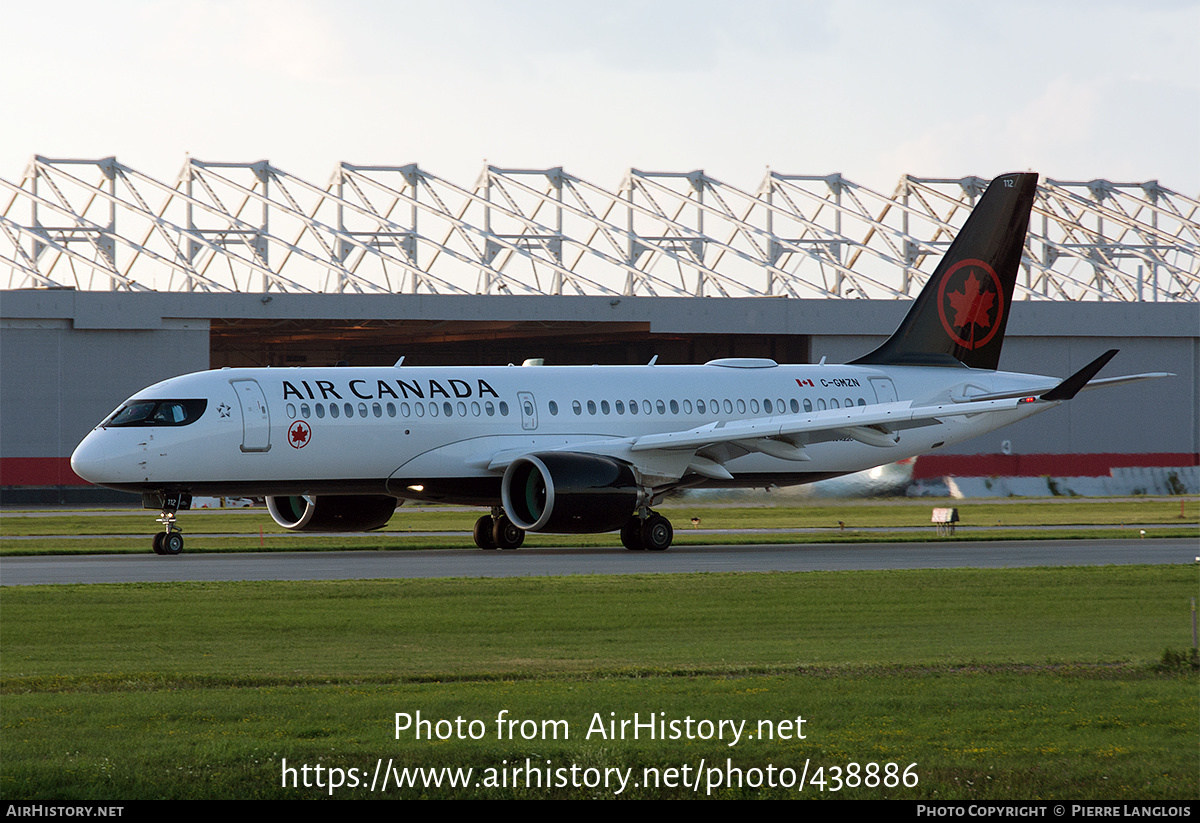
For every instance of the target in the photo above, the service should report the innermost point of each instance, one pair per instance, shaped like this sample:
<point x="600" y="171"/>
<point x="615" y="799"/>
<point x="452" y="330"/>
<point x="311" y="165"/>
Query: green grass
<point x="1018" y="683"/>
<point x="452" y="527"/>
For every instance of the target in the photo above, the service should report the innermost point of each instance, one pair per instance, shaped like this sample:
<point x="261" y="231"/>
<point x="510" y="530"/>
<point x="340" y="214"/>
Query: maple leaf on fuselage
<point x="971" y="305"/>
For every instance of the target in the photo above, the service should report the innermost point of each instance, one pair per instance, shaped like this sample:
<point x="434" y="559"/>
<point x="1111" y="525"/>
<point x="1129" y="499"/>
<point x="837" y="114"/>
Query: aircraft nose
<point x="89" y="458"/>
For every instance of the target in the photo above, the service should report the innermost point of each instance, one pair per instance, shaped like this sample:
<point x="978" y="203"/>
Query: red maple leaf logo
<point x="299" y="435"/>
<point x="971" y="305"/>
<point x="977" y="303"/>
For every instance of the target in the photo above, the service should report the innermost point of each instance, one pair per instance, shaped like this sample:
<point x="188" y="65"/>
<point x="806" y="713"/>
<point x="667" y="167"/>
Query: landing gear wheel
<point x="172" y="543"/>
<point x="657" y="533"/>
<point x="170" y="540"/>
<point x="506" y="534"/>
<point x="631" y="534"/>
<point x="483" y="532"/>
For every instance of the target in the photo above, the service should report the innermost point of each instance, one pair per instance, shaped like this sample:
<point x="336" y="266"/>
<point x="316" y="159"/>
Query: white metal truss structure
<point x="251" y="227"/>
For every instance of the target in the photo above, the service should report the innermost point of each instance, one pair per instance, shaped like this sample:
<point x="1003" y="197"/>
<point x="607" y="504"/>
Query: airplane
<point x="586" y="449"/>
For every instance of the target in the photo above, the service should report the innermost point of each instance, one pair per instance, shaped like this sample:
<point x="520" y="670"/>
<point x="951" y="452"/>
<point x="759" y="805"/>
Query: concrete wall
<point x="61" y="373"/>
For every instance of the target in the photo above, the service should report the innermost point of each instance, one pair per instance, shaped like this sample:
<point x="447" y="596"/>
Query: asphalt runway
<point x="366" y="565"/>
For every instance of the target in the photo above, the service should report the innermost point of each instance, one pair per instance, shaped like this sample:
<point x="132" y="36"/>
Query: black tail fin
<point x="960" y="315"/>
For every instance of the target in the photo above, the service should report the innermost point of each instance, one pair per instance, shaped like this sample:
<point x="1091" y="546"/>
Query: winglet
<point x="1073" y="384"/>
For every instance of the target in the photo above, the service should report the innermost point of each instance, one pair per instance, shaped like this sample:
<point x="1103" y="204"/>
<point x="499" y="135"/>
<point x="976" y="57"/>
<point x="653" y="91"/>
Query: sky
<point x="872" y="89"/>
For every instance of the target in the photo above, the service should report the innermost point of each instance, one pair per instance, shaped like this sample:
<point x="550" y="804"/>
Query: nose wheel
<point x="171" y="540"/>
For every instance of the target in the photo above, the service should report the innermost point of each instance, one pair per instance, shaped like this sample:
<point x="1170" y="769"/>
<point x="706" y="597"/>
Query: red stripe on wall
<point x="1038" y="465"/>
<point x="38" y="471"/>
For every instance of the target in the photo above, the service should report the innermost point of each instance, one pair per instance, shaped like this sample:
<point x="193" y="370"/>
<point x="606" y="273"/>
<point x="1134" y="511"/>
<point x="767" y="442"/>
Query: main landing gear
<point x="169" y="541"/>
<point x="647" y="530"/>
<point x="496" y="531"/>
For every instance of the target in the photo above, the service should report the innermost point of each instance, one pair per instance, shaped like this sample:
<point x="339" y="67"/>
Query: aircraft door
<point x="528" y="410"/>
<point x="885" y="390"/>
<point x="256" y="420"/>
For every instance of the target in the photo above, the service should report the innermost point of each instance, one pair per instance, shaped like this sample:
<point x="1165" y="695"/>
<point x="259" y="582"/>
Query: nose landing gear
<point x="169" y="541"/>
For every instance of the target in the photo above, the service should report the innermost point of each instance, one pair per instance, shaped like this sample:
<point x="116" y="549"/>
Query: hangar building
<point x="116" y="280"/>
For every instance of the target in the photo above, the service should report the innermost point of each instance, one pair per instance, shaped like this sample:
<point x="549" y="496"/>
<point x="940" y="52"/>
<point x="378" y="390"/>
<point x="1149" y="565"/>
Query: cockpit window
<point x="158" y="413"/>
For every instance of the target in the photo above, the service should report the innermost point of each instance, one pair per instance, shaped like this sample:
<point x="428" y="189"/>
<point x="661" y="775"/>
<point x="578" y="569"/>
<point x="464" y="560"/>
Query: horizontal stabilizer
<point x="1126" y="378"/>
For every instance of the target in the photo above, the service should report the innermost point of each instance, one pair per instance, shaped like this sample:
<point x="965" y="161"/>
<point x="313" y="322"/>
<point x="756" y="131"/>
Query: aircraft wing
<point x="869" y="424"/>
<point x="673" y="454"/>
<point x="875" y="424"/>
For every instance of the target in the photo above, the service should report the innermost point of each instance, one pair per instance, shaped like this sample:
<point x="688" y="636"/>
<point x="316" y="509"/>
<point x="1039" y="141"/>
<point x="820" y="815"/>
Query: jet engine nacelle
<point x="332" y="513"/>
<point x="567" y="493"/>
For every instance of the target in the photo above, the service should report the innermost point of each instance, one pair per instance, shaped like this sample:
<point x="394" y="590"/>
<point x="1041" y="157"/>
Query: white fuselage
<point x="435" y="433"/>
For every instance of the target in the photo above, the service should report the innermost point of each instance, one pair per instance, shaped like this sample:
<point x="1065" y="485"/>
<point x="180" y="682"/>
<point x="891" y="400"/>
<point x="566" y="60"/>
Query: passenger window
<point x="503" y="408"/>
<point x="575" y="407"/>
<point x="377" y="410"/>
<point x="362" y="409"/>
<point x="661" y="407"/>
<point x="862" y="402"/>
<point x="475" y="408"/>
<point x="350" y="409"/>
<point x="391" y="407"/>
<point x="433" y="409"/>
<point x="420" y="409"/>
<point x="753" y="406"/>
<point x="848" y="402"/>
<point x="646" y="407"/>
<point x="405" y="410"/>
<point x="741" y="406"/>
<point x="633" y="407"/>
<point x="821" y="405"/>
<point x="620" y="407"/>
<point x="833" y="403"/>
<point x="807" y="405"/>
<point x="767" y="405"/>
<point x="728" y="406"/>
<point x="604" y="408"/>
<point x="291" y="411"/>
<point x="489" y="408"/>
<point x="687" y="406"/>
<point x="591" y="407"/>
<point x="320" y="410"/>
<point x="305" y="411"/>
<point x="700" y="406"/>
<point x="795" y="405"/>
<point x="553" y="407"/>
<point x="334" y="412"/>
<point x="462" y="409"/>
